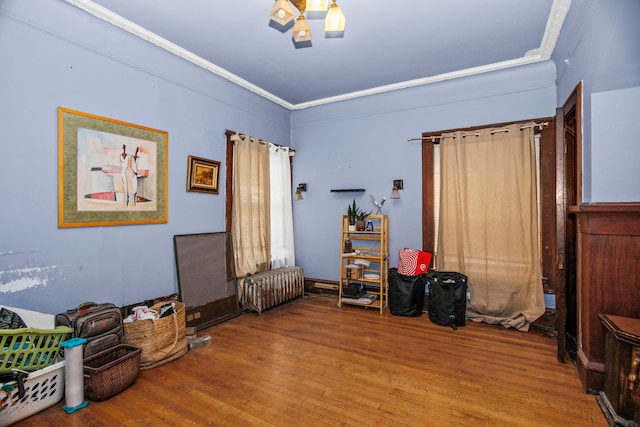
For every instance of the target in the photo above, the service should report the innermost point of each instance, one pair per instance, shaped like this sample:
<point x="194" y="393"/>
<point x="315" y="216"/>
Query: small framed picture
<point x="203" y="175"/>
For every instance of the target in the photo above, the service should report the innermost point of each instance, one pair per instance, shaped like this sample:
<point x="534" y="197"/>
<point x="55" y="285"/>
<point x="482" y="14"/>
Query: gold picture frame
<point x="110" y="172"/>
<point x="203" y="175"/>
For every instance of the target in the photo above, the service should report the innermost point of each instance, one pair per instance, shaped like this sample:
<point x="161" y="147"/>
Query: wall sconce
<point x="398" y="184"/>
<point x="299" y="190"/>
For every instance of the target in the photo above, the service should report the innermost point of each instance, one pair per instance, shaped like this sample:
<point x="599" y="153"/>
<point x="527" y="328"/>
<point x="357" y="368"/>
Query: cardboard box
<point x="353" y="271"/>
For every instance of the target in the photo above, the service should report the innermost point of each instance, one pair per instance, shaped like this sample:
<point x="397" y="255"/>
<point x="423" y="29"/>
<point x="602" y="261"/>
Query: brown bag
<point x="161" y="340"/>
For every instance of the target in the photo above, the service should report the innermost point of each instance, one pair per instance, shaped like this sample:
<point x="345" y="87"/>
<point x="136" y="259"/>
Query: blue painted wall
<point x="600" y="47"/>
<point x="53" y="54"/>
<point x="615" y="152"/>
<point x="362" y="143"/>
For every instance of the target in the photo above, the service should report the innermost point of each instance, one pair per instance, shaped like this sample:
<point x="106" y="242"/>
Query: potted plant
<point x="356" y="217"/>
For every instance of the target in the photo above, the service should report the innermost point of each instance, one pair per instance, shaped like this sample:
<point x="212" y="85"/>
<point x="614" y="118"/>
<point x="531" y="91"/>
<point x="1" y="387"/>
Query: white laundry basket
<point x="42" y="389"/>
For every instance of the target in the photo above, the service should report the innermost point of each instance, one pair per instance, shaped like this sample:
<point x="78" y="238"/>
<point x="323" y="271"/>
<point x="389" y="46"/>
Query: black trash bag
<point x="406" y="293"/>
<point x="447" y="298"/>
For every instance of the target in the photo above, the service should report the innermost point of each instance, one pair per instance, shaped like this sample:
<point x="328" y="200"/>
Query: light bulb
<point x="335" y="19"/>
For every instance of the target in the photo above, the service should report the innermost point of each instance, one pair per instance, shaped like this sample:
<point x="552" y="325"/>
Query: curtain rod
<point x="436" y="139"/>
<point x="228" y="132"/>
<point x="232" y="133"/>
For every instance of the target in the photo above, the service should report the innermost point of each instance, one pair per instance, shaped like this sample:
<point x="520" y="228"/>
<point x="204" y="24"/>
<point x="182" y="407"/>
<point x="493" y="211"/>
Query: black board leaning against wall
<point x="206" y="278"/>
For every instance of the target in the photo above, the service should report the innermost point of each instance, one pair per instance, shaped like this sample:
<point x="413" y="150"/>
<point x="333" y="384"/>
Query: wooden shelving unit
<point x="370" y="247"/>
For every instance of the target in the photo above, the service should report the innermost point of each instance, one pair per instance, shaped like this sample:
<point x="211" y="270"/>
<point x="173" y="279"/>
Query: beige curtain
<point x="488" y="227"/>
<point x="250" y="209"/>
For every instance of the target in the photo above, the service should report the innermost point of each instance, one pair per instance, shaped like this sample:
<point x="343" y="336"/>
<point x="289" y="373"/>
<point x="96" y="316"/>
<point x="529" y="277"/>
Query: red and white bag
<point x="413" y="263"/>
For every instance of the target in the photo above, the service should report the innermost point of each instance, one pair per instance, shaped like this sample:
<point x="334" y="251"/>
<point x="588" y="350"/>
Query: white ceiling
<point x="387" y="44"/>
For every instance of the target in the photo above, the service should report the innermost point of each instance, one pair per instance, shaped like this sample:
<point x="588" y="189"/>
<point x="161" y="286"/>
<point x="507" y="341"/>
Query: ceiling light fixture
<point x="301" y="30"/>
<point x="317" y="5"/>
<point x="283" y="14"/>
<point x="335" y="21"/>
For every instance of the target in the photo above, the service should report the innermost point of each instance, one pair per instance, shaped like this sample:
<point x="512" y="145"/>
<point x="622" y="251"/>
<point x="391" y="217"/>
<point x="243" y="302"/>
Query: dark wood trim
<point x="434" y="136"/>
<point x="126" y="310"/>
<point x="612" y="207"/>
<point x="548" y="232"/>
<point x="611" y="219"/>
<point x="549" y="236"/>
<point x="574" y="102"/>
<point x="561" y="209"/>
<point x="608" y="279"/>
<point x="428" y="219"/>
<point x="310" y="286"/>
<point x="229" y="183"/>
<point x="206" y="315"/>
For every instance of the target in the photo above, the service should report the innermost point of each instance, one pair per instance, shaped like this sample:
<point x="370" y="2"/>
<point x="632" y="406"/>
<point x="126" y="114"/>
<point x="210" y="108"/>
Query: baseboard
<point x="128" y="309"/>
<point x="321" y="286"/>
<point x="546" y="322"/>
<point x="590" y="373"/>
<point x="207" y="315"/>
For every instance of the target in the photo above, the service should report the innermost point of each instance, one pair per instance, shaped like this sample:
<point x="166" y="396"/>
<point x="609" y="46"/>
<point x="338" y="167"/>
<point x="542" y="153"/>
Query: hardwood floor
<point x="310" y="363"/>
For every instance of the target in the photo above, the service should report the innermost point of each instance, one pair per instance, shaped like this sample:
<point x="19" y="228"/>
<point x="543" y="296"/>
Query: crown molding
<point x="135" y="29"/>
<point x="557" y="15"/>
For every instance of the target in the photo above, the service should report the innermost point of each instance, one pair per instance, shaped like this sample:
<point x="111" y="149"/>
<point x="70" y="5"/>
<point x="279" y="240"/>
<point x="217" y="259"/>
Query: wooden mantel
<point x="608" y="279"/>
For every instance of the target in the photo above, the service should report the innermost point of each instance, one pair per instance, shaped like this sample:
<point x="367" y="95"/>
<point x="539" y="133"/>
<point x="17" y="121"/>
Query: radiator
<point x="270" y="288"/>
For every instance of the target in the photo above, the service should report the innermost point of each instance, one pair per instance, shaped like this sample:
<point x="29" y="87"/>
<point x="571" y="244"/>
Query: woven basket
<point x="161" y="340"/>
<point x="109" y="372"/>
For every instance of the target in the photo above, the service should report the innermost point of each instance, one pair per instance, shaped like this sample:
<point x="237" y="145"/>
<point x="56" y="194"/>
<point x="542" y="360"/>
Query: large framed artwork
<point x="110" y="172"/>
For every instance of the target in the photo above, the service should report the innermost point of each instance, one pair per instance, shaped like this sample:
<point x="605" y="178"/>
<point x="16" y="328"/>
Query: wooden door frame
<point x="564" y="207"/>
<point x="561" y="213"/>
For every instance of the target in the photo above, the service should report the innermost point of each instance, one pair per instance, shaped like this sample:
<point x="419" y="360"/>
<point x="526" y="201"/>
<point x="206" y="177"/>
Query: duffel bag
<point x="99" y="324"/>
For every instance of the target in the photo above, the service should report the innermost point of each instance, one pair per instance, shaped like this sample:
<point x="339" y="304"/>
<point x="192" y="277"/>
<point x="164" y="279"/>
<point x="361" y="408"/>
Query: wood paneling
<point x="310" y="363"/>
<point x="608" y="281"/>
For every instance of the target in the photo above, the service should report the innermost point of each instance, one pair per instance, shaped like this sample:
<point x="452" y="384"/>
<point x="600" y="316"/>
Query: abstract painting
<point x="110" y="172"/>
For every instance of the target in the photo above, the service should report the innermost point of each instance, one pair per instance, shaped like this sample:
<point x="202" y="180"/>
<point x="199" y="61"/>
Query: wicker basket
<point x="109" y="372"/>
<point x="30" y="349"/>
<point x="161" y="340"/>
